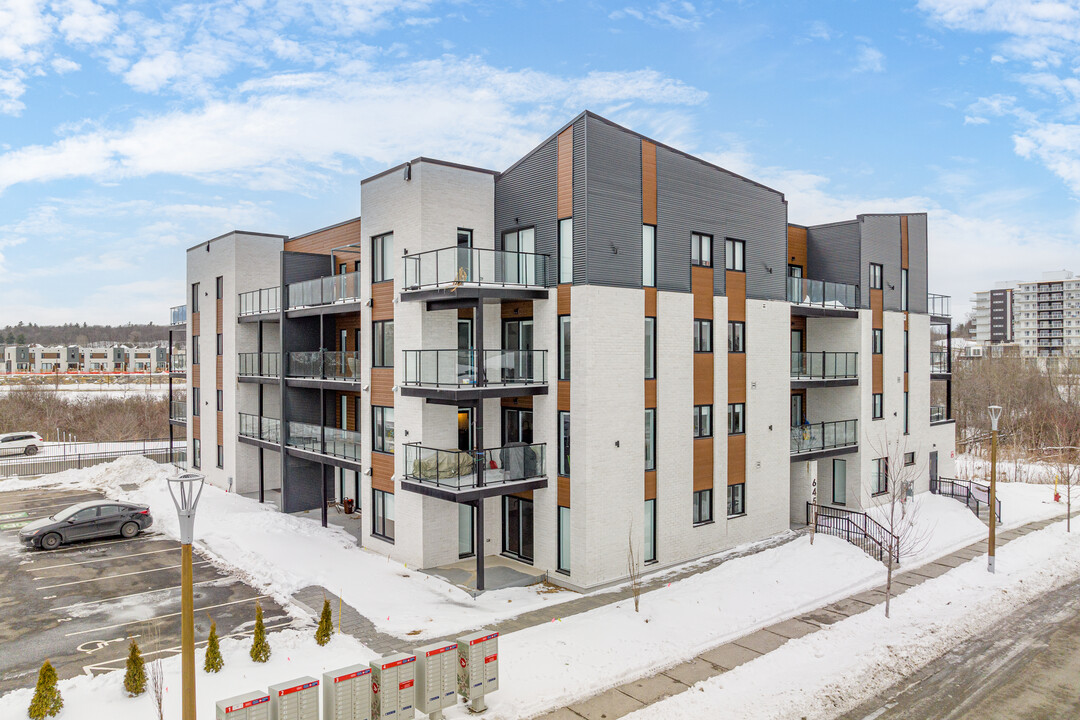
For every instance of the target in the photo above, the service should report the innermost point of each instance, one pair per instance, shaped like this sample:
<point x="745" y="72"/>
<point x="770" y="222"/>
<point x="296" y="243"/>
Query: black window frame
<point x="219" y="287"/>
<point x="565" y="349"/>
<point x="194" y="349"/>
<point x="877" y="276"/>
<point x="195" y="396"/>
<point x="880" y="475"/>
<point x="564" y="271"/>
<point x="701" y="412"/>
<point x="650" y="349"/>
<point x="558" y="539"/>
<point x="877" y="341"/>
<point x="220" y="340"/>
<point x="734" y="255"/>
<point x="194" y="298"/>
<point x="740" y="327"/>
<point x="379" y="443"/>
<point x="737" y="410"/>
<point x="378" y="340"/>
<point x="382" y="262"/>
<point x="645" y="227"/>
<point x="877" y="406"/>
<point x="698" y="242"/>
<point x="741" y="509"/>
<point x="378" y="519"/>
<point x="703" y="506"/>
<point x="701" y="336"/>
<point x="221" y="456"/>
<point x="909" y="458"/>
<point x="196" y="453"/>
<point x="650" y="439"/>
<point x="564" y="443"/>
<point x="221" y="400"/>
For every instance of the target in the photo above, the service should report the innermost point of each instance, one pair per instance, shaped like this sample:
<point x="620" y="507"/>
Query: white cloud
<point x="24" y="26"/>
<point x="869" y="59"/>
<point x="677" y="15"/>
<point x="820" y="30"/>
<point x="62" y="65"/>
<point x="152" y="72"/>
<point x="85" y="22"/>
<point x="975" y="120"/>
<point x="12" y="87"/>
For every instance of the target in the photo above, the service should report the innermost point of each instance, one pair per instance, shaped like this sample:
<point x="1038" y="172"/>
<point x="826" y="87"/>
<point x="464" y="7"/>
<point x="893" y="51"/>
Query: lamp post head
<point x="186" y="489"/>
<point x="995" y="413"/>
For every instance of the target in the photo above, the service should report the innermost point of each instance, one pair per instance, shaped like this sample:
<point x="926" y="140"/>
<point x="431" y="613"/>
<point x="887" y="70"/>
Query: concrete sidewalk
<point x="634" y="695"/>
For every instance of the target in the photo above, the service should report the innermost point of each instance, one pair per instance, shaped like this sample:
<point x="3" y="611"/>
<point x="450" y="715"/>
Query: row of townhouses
<point x="73" y="358"/>
<point x="609" y="347"/>
<point x="1038" y="318"/>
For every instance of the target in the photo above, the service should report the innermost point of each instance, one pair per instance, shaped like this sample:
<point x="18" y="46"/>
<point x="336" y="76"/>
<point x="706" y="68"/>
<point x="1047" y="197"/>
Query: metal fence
<point x="973" y="494"/>
<point x="856" y="527"/>
<point x="36" y="465"/>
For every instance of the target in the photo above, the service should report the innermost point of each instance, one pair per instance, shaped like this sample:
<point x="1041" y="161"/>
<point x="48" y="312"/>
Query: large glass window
<point x="878" y="406"/>
<point x="566" y="250"/>
<point x="736" y="337"/>
<point x="194" y="297"/>
<point x="701" y="249"/>
<point x="196" y="406"/>
<point x="382" y="344"/>
<point x="382" y="257"/>
<point x="564" y="540"/>
<point x="736" y="418"/>
<point x="702" y="421"/>
<point x="564" y="347"/>
<point x="194" y="349"/>
<point x="382" y="427"/>
<point x="839" y="482"/>
<point x="382" y="516"/>
<point x="219" y="289"/>
<point x="520" y="268"/>
<point x="650" y="438"/>
<point x="735" y="255"/>
<point x="564" y="443"/>
<point x="702" y="506"/>
<point x="650" y="348"/>
<point x="221" y="456"/>
<point x="877" y="341"/>
<point x="876" y="275"/>
<point x="648" y="255"/>
<point x="905" y="412"/>
<point x="703" y="336"/>
<point x="736" y="500"/>
<point x="879" y="478"/>
<point x="650" y="531"/>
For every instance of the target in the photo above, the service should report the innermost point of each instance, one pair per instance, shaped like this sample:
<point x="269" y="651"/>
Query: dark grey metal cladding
<point x="304" y="266"/>
<point x="527" y="196"/>
<point x="581" y="201"/>
<point x="833" y="254"/>
<point x="881" y="244"/>
<point x="301" y="490"/>
<point x="613" y="181"/>
<point x="918" y="263"/>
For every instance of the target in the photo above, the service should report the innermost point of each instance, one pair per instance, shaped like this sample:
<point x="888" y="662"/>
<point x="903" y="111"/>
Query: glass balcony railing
<point x="324" y="440"/>
<point x="260" y="428"/>
<point x="454" y="266"/>
<point x="178" y="315"/>
<point x="939" y="362"/>
<point x="824" y="365"/>
<point x="459" y="368"/>
<point x="178" y="362"/>
<point x="938" y="305"/>
<point x="255" y="302"/>
<point x="824" y="436"/>
<point x="804" y="291"/>
<point x="177" y="410"/>
<point x="266" y="364"/>
<point x="324" y="365"/>
<point x="937" y="413"/>
<point x="457" y="469"/>
<point x="324" y="290"/>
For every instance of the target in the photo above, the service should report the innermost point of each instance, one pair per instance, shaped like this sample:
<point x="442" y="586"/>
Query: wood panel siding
<point x="877" y="308"/>
<point x="736" y="461"/>
<point x="703" y="378"/>
<point x="219" y="316"/>
<point x="703" y="464"/>
<point x="350" y="323"/>
<point x="903" y="241"/>
<point x="564" y="396"/>
<point x="196" y="375"/>
<point x="351" y="421"/>
<point x="650" y="484"/>
<point x="514" y="309"/>
<point x="323" y="241"/>
<point x="382" y="469"/>
<point x="195" y="323"/>
<point x="650" y="302"/>
<point x="562" y="491"/>
<point x="798" y="322"/>
<point x="701" y="285"/>
<point x="218" y="361"/>
<point x="565" y="174"/>
<point x="382" y="300"/>
<point x="736" y="295"/>
<point x="518" y="402"/>
<point x="650" y="393"/>
<point x="796" y="241"/>
<point x="382" y="384"/>
<point x="736" y="378"/>
<point x="196" y="427"/>
<point x="878" y="377"/>
<point x="648" y="183"/>
<point x="562" y="299"/>
<point x="220" y="434"/>
<point x="877" y="322"/>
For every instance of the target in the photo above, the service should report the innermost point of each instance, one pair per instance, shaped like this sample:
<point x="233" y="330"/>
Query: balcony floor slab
<point x="818" y="454"/>
<point x="819" y="311"/>
<point x="469" y="393"/>
<point x="469" y="494"/>
<point x="803" y="383"/>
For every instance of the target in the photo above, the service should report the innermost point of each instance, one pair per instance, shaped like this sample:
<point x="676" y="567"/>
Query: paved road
<point x="1026" y="667"/>
<point x="78" y="605"/>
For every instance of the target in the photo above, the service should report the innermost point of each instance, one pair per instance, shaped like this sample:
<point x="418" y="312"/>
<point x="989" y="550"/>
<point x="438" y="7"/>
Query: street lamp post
<point x="186" y="489"/>
<point x="995" y="413"/>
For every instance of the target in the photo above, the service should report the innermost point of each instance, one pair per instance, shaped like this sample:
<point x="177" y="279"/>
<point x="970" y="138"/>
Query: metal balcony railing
<point x="266" y="364"/>
<point x="178" y="315"/>
<point x="856" y="527"/>
<point x="937" y="413"/>
<point x="333" y="365"/>
<point x="323" y="440"/>
<point x="804" y="291"/>
<point x="824" y="436"/>
<point x="178" y="362"/>
<point x="938" y="305"/>
<point x="939" y="362"/>
<point x="457" y="469"/>
<point x="324" y="291"/>
<point x="260" y="428"/>
<point x="454" y="266"/>
<point x="459" y="368"/>
<point x="177" y="410"/>
<point x="255" y="302"/>
<point x="824" y="365"/>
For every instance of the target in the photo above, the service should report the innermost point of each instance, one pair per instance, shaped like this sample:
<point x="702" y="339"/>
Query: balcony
<point x="324" y="444"/>
<point x="463" y="375"/>
<point x="466" y="274"/>
<point x="256" y="427"/>
<point x="938" y="414"/>
<point x="818" y="297"/>
<point x="178" y="412"/>
<point x="820" y="439"/>
<point x="178" y="316"/>
<point x="259" y="302"/>
<point x="326" y="369"/>
<point x="938" y="306"/>
<point x="336" y="292"/>
<point x="453" y="474"/>
<point x="939" y="363"/>
<point x="257" y="367"/>
<point x="824" y="369"/>
<point x="178" y="363"/>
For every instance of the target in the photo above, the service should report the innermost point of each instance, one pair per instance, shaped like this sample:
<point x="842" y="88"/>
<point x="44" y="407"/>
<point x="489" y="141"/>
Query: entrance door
<point x="798" y="363"/>
<point x="518" y="528"/>
<point x="465" y="255"/>
<point x="933" y="466"/>
<point x="464" y="429"/>
<point x="517" y="426"/>
<point x="520" y="268"/>
<point x="839" y="482"/>
<point x="466" y="530"/>
<point x="797" y="410"/>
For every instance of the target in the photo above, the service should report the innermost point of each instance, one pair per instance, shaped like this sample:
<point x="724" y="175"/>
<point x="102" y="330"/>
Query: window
<point x="650" y="531"/>
<point x="464" y="238"/>
<point x="905" y="412"/>
<point x="736" y="337"/>
<point x="195" y="402"/>
<point x="194" y="349"/>
<point x="564" y="443"/>
<point x="219" y="287"/>
<point x="877" y="341"/>
<point x="904" y="289"/>
<point x="736" y="500"/>
<point x="701" y="250"/>
<point x="650" y="438"/>
<point x="702" y="421"/>
<point x="879" y="403"/>
<point x="382" y="516"/>
<point x="876" y="273"/>
<point x="564" y="540"/>
<point x="794" y="271"/>
<point x="566" y="250"/>
<point x="905" y="351"/>
<point x="194" y="297"/>
<point x="220" y="456"/>
<point x="220" y="344"/>
<point x="703" y="336"/>
<point x="909" y="458"/>
<point x="648" y="256"/>
<point x="382" y="257"/>
<point x="650" y="348"/>
<point x="839" y="482"/>
<point x="880" y="476"/>
<point x="382" y="426"/>
<point x="196" y="453"/>
<point x="106" y="510"/>
<point x="564" y="347"/>
<point x="736" y="418"/>
<point x="382" y="345"/>
<point x="220" y="400"/>
<point x="703" y="506"/>
<point x="735" y="255"/>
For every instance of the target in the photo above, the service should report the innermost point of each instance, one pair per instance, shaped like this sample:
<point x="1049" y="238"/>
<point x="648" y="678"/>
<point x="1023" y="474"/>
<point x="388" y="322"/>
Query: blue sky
<point x="132" y="130"/>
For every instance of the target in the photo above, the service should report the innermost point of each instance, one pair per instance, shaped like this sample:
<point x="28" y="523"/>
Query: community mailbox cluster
<point x="389" y="688"/>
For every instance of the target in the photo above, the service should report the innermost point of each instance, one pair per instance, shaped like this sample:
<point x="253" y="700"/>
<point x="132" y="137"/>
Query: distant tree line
<point x="82" y="334"/>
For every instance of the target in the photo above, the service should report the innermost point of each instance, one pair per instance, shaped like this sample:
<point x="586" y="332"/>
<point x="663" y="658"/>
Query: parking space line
<point x="107" y="577"/>
<point x="72" y="501"/>
<point x="85" y="545"/>
<point x="131" y="595"/>
<point x="105" y="664"/>
<point x="103" y="559"/>
<point x="162" y="617"/>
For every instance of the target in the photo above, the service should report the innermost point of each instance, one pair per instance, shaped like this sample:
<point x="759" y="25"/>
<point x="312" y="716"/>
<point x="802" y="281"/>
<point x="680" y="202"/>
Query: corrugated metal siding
<point x="527" y="196"/>
<point x="833" y="254"/>
<point x="581" y="203"/>
<point x="305" y="266"/>
<point x="881" y="244"/>
<point x="301" y="490"/>
<point x="614" y="200"/>
<point x="918" y="263"/>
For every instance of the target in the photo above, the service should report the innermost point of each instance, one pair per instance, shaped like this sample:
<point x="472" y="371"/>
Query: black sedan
<point x="86" y="521"/>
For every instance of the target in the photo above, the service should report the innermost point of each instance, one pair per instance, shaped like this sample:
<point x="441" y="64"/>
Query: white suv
<point x="20" y="443"/>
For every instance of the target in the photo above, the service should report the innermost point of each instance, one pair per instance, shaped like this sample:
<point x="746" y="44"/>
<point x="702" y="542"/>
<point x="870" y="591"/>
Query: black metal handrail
<point x="814" y="437"/>
<point x="266" y="364"/>
<point x="973" y="494"/>
<point x="822" y="293"/>
<point x="259" y="427"/>
<point x="458" y="469"/>
<point x="460" y="368"/>
<point x="856" y="527"/>
<point x="255" y="302"/>
<point x="938" y="305"/>
<point x="824" y="365"/>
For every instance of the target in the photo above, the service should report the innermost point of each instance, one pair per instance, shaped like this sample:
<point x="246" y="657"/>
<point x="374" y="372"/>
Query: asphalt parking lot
<point x="78" y="605"/>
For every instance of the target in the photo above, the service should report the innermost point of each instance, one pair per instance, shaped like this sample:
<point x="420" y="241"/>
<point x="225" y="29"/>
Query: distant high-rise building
<point x="1040" y="317"/>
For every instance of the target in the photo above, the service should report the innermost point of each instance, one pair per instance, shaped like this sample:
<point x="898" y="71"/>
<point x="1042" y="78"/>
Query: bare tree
<point x="1064" y="458"/>
<point x="635" y="571"/>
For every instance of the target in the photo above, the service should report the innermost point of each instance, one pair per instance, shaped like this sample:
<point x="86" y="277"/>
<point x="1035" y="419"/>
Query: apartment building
<point x="73" y="359"/>
<point x="532" y="363"/>
<point x="1039" y="318"/>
